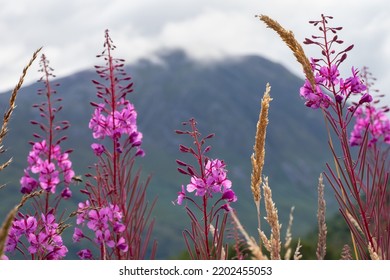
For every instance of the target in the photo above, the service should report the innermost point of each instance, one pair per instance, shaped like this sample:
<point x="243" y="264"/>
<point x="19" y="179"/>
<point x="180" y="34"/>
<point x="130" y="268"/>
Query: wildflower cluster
<point x="373" y="119"/>
<point x="365" y="176"/>
<point x="106" y="223"/>
<point x="327" y="75"/>
<point x="116" y="116"/>
<point x="48" y="167"/>
<point x="370" y="118"/>
<point x="46" y="160"/>
<point x="114" y="124"/>
<point x="215" y="181"/>
<point x="116" y="205"/>
<point x="212" y="178"/>
<point x="209" y="180"/>
<point x="48" y="163"/>
<point x="42" y="235"/>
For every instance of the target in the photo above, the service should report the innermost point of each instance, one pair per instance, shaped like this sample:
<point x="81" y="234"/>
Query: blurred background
<point x="205" y="59"/>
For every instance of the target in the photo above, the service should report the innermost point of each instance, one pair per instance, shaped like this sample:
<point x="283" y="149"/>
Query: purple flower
<point x="198" y="185"/>
<point x="104" y="237"/>
<point x="58" y="252"/>
<point x="37" y="242"/>
<point x="355" y="82"/>
<point x="329" y="75"/>
<point x="40" y="147"/>
<point x="12" y="241"/>
<point x="66" y="193"/>
<point x="365" y="98"/>
<point x="181" y="195"/>
<point x="26" y="225"/>
<point x="49" y="177"/>
<point x="28" y="184"/>
<point x="82" y="212"/>
<point x="78" y="234"/>
<point x="377" y="123"/>
<point x="230" y="196"/>
<point x="217" y="176"/>
<point x="98" y="123"/>
<point x="215" y="181"/>
<point x="122" y="245"/>
<point x="105" y="223"/>
<point x="98" y="149"/>
<point x="316" y="99"/>
<point x="85" y="254"/>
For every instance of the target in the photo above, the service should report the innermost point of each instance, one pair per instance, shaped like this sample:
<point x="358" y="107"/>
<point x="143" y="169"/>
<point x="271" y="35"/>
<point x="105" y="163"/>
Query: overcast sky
<point x="71" y="31"/>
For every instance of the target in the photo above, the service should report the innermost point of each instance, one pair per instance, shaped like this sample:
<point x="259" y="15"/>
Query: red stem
<point x="344" y="141"/>
<point x="50" y="119"/>
<point x="199" y="157"/>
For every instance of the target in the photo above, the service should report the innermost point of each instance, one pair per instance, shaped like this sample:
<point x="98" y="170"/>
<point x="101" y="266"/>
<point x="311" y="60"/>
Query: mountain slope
<point x="224" y="97"/>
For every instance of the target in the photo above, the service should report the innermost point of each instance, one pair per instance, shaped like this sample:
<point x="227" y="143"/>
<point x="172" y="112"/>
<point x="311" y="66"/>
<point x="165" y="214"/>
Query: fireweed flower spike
<point x="49" y="167"/>
<point x="116" y="209"/>
<point x="371" y="118"/>
<point x="365" y="176"/>
<point x="357" y="177"/>
<point x="327" y="75"/>
<point x="208" y="182"/>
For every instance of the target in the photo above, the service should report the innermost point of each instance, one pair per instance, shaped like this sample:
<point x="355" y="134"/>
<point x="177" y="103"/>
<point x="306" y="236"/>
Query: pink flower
<point x="98" y="123"/>
<point x="49" y="177"/>
<point x="198" y="185"/>
<point x="215" y="181"/>
<point x="77" y="235"/>
<point x="26" y="225"/>
<point x="229" y="195"/>
<point x="104" y="237"/>
<point x="82" y="212"/>
<point x="98" y="149"/>
<point x="330" y="75"/>
<point x="377" y="123"/>
<point x="85" y="254"/>
<point x="316" y="99"/>
<point x="40" y="147"/>
<point x="37" y="242"/>
<point x="28" y="184"/>
<point x="66" y="193"/>
<point x="122" y="245"/>
<point x="181" y="195"/>
<point x="365" y="98"/>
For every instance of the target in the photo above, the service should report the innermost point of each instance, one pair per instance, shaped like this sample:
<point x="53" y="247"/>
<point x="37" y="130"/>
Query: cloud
<point x="72" y="31"/>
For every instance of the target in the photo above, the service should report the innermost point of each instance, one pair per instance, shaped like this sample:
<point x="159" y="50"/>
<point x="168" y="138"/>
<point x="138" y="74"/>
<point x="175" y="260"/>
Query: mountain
<point x="224" y="97"/>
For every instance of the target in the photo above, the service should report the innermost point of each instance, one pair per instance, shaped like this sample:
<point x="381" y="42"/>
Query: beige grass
<point x="12" y="106"/>
<point x="6" y="226"/>
<point x="253" y="247"/>
<point x="288" y="239"/>
<point x="272" y="244"/>
<point x="322" y="229"/>
<point x="289" y="38"/>
<point x="297" y="253"/>
<point x="258" y="155"/>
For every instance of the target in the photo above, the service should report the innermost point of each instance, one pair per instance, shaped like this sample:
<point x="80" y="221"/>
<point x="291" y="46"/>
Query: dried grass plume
<point x="258" y="155"/>
<point x="12" y="106"/>
<point x="6" y="226"/>
<point x="273" y="244"/>
<point x="289" y="38"/>
<point x="322" y="229"/>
